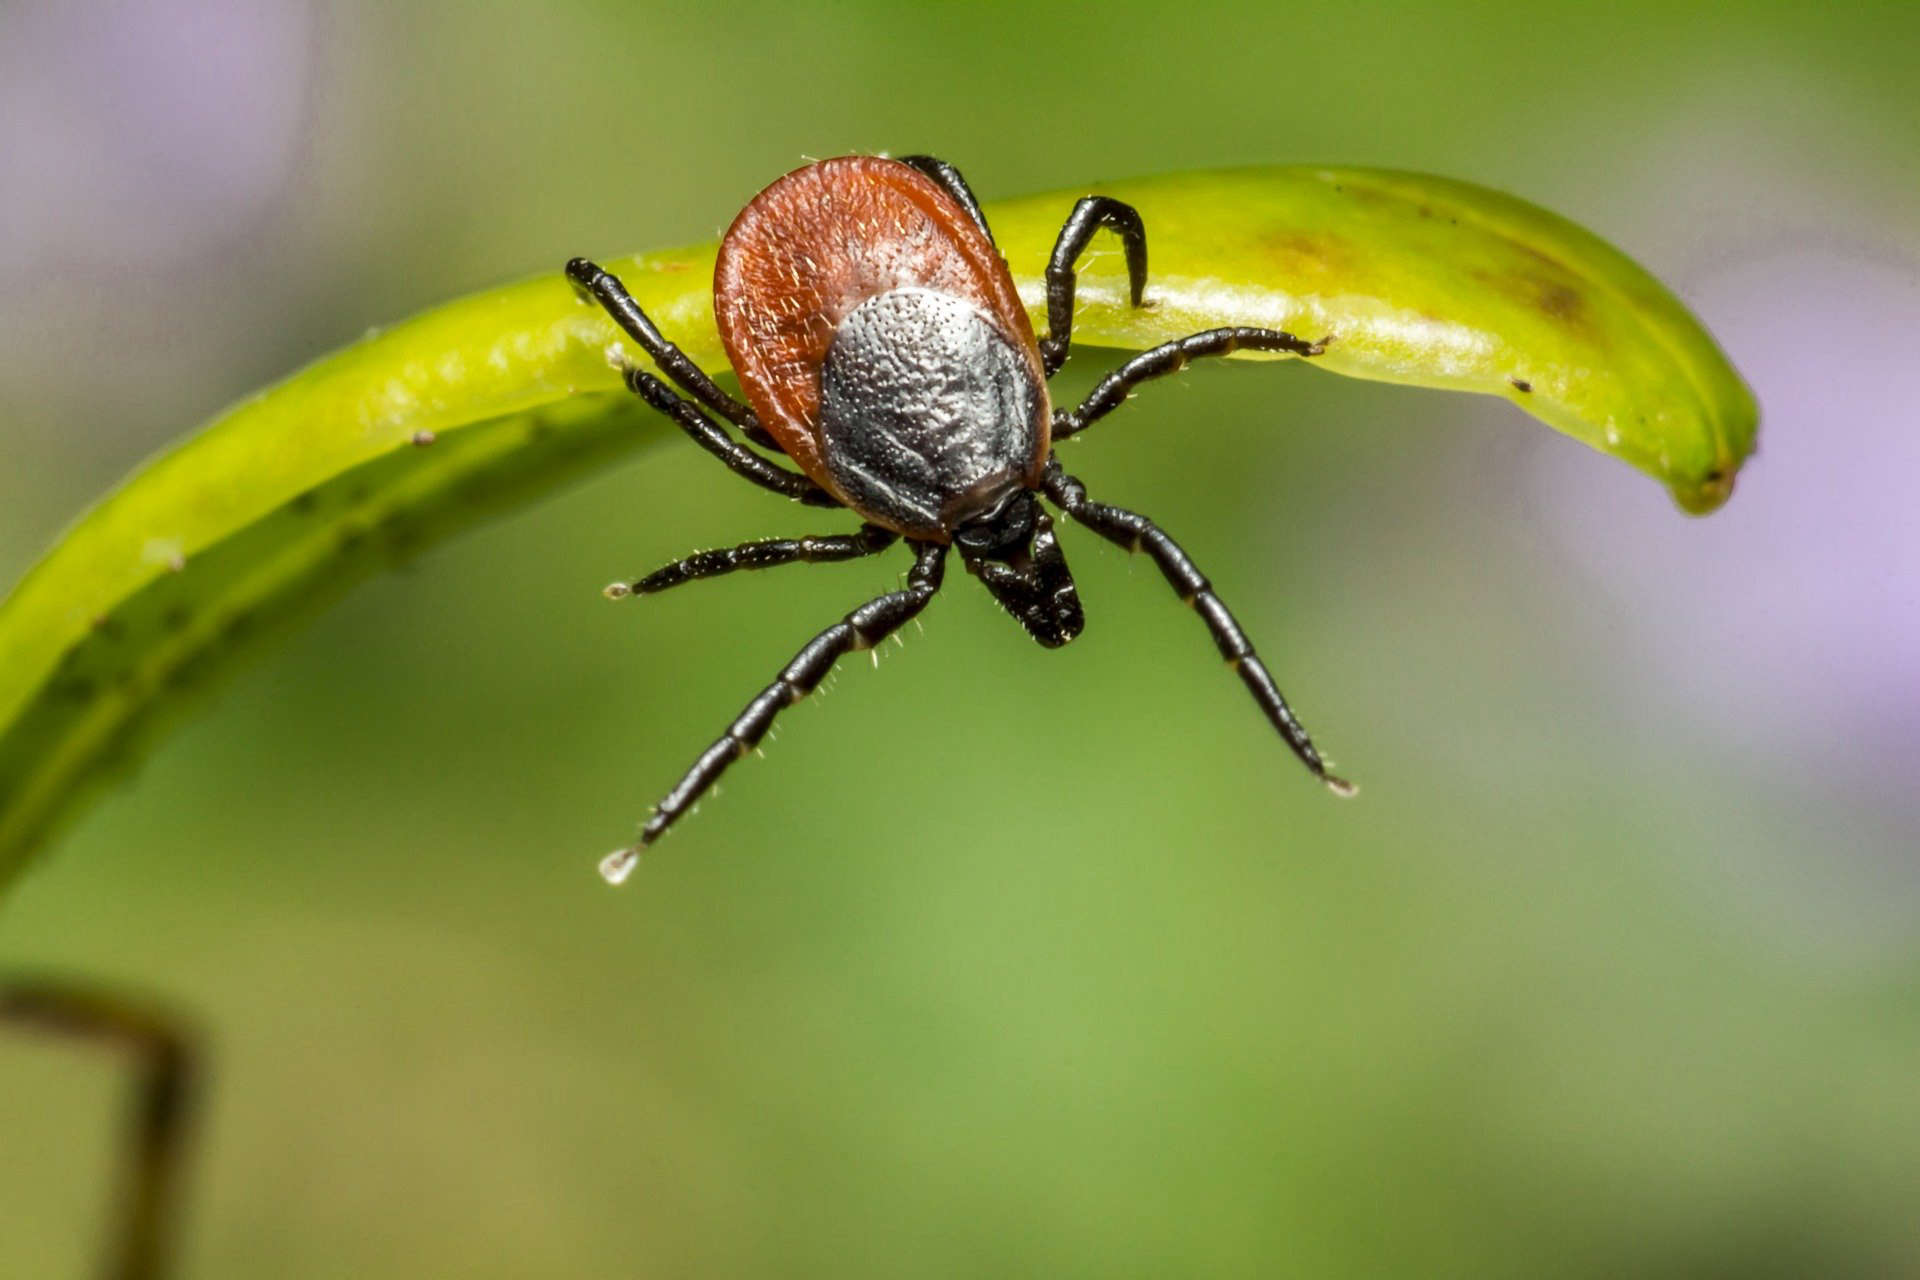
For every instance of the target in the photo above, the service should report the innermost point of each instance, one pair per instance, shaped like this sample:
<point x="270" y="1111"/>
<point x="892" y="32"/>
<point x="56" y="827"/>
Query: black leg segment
<point x="956" y="186"/>
<point x="1111" y="391"/>
<point x="864" y="628"/>
<point x="765" y="554"/>
<point x="709" y="435"/>
<point x="1137" y="533"/>
<point x="1088" y="216"/>
<point x="594" y="281"/>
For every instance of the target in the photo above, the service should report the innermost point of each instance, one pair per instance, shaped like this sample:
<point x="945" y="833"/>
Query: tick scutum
<point x="927" y="413"/>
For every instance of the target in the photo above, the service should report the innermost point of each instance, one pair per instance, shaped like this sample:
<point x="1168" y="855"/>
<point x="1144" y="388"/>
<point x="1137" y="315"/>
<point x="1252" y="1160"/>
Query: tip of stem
<point x="618" y="865"/>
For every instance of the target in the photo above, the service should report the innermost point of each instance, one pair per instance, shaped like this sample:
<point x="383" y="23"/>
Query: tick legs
<point x="956" y="186"/>
<point x="871" y="540"/>
<point x="1092" y="213"/>
<point x="1111" y="391"/>
<point x="1137" y="533"/>
<point x="865" y="627"/>
<point x="709" y="435"/>
<point x="594" y="281"/>
<point x="159" y="1119"/>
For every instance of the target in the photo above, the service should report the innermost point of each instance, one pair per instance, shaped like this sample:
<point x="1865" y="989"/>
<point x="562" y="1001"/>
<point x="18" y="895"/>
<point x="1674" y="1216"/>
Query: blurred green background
<point x="1006" y="961"/>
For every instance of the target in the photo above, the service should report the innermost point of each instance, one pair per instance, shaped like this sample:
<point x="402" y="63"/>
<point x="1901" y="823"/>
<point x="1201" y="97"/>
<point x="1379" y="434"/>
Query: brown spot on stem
<point x="1558" y="297"/>
<point x="1559" y="300"/>
<point x="1309" y="260"/>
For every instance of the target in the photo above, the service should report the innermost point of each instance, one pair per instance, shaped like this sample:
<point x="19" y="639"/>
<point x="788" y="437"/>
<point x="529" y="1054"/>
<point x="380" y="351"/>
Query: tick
<point x="883" y="350"/>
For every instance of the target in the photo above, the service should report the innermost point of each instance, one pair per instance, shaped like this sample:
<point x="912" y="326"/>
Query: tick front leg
<point x="765" y="554"/>
<point x="591" y="280"/>
<point x="1112" y="391"/>
<point x="864" y="628"/>
<point x="1092" y="213"/>
<point x="1137" y="533"/>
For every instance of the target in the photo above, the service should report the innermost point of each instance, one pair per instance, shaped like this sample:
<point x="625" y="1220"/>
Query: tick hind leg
<point x="1171" y="357"/>
<point x="592" y="280"/>
<point x="1088" y="216"/>
<point x="764" y="554"/>
<point x="709" y="435"/>
<point x="956" y="186"/>
<point x="1137" y="533"/>
<point x="864" y="628"/>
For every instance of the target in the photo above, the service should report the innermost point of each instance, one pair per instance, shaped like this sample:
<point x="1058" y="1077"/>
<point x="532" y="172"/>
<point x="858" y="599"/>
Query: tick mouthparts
<point x="618" y="865"/>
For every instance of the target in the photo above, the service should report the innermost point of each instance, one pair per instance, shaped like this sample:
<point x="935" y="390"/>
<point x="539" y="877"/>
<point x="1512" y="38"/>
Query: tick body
<point x="884" y="351"/>
<point x="880" y="342"/>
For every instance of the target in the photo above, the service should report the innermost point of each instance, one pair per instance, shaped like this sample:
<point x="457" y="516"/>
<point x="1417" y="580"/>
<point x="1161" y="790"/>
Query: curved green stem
<point x="484" y="403"/>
